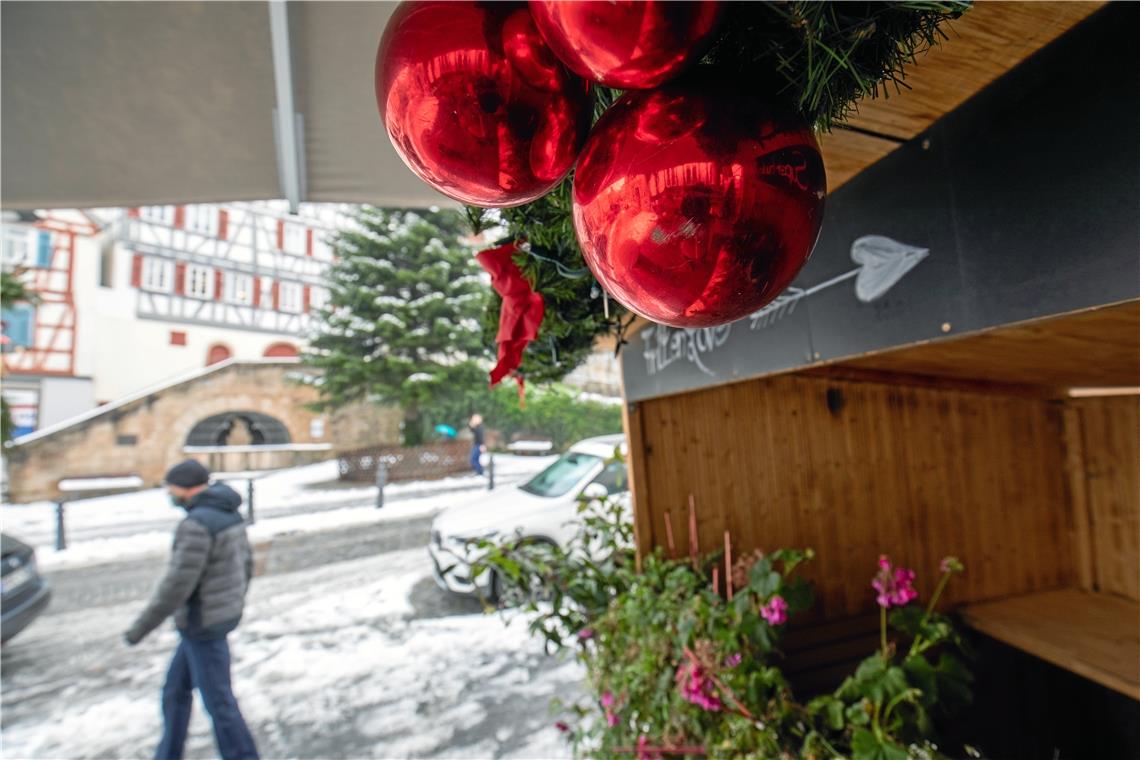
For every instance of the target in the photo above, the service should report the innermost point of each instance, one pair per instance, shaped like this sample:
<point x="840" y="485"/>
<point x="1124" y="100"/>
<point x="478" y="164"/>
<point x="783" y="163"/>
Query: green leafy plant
<point x="679" y="665"/>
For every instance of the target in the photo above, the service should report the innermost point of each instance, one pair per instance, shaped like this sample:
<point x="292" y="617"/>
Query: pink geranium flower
<point x="775" y="611"/>
<point x="611" y="719"/>
<point x="733" y="660"/>
<point x="586" y="633"/>
<point x="697" y="687"/>
<point x="894" y="585"/>
<point x="643" y="752"/>
<point x="608" y="699"/>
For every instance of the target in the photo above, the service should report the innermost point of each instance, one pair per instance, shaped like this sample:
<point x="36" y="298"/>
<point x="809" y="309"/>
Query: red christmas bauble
<point x="476" y="103"/>
<point x="628" y="44"/>
<point x="697" y="204"/>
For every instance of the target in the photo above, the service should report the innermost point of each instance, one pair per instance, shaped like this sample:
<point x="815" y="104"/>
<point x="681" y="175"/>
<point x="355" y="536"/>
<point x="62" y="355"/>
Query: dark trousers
<point x="204" y="665"/>
<point x="475" y="464"/>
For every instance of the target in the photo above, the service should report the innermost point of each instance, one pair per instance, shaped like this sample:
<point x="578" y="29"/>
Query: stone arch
<point x="258" y="393"/>
<point x="281" y="350"/>
<point x="238" y="428"/>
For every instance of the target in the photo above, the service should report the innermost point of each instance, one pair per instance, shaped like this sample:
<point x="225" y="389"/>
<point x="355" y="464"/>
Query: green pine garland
<point x="821" y="56"/>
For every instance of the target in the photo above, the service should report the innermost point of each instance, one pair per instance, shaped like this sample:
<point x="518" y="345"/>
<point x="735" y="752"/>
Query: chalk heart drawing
<point x="883" y="262"/>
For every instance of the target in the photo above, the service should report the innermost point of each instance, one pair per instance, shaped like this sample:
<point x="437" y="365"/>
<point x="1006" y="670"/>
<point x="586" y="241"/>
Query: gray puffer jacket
<point x="209" y="571"/>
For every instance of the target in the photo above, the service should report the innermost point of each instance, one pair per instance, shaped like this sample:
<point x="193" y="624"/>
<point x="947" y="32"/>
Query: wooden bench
<point x="1091" y="634"/>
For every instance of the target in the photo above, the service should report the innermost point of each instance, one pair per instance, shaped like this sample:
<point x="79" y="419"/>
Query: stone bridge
<point x="241" y="404"/>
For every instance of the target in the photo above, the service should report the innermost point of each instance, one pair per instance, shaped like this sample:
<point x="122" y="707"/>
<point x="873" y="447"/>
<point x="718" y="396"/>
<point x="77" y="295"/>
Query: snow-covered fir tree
<point x="402" y="322"/>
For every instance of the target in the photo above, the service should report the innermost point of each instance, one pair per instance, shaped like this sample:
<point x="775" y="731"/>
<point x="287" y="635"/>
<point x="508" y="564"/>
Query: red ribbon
<point x="521" y="314"/>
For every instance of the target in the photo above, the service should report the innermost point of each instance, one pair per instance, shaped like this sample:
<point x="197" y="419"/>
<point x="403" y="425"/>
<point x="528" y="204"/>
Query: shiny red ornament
<point x="627" y="44"/>
<point x="697" y="204"/>
<point x="475" y="102"/>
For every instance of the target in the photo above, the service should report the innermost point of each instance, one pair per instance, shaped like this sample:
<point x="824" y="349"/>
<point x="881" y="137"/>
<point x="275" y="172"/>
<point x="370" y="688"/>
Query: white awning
<point x="124" y="104"/>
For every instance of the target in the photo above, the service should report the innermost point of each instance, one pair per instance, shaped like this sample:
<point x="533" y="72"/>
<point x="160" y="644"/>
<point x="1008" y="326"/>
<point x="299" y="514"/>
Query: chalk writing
<point x="663" y="346"/>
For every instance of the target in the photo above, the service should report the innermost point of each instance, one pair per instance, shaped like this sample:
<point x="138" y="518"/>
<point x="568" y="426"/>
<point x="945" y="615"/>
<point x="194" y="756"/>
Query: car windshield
<point x="557" y="479"/>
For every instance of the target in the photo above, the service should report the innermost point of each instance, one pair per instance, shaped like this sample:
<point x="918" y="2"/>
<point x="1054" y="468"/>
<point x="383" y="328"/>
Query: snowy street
<point x="363" y="658"/>
<point x="347" y="649"/>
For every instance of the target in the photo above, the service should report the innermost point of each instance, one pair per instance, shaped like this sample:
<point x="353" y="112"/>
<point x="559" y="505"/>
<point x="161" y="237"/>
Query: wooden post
<point x="728" y="564"/>
<point x="694" y="544"/>
<point x="669" y="535"/>
<point x="639" y="492"/>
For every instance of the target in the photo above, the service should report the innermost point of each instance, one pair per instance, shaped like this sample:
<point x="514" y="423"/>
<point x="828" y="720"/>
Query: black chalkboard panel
<point x="1022" y="203"/>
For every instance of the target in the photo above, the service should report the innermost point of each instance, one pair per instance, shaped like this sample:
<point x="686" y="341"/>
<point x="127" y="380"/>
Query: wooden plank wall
<point x="854" y="468"/>
<point x="1102" y="437"/>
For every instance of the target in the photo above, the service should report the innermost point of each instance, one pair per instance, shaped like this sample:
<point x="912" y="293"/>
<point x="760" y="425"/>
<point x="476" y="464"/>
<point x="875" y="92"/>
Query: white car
<point x="542" y="509"/>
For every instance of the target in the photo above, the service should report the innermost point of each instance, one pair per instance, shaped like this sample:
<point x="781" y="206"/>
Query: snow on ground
<point x="287" y="501"/>
<point x="365" y="658"/>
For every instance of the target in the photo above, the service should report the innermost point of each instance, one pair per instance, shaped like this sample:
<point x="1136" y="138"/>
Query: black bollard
<point x="381" y="481"/>
<point x="491" y="473"/>
<point x="60" y="535"/>
<point x="249" y="498"/>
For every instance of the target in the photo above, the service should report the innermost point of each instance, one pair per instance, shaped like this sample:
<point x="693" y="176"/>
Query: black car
<point x="23" y="593"/>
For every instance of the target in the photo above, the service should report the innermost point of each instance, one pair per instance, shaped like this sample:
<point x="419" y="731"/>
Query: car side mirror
<point x="595" y="491"/>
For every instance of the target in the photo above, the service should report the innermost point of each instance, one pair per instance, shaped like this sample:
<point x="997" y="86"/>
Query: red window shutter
<point x="280" y="235"/>
<point x="133" y="213"/>
<point x="256" y="292"/>
<point x="223" y="224"/>
<point x="177" y="338"/>
<point x="308" y="242"/>
<point x="305" y="295"/>
<point x="276" y="296"/>
<point x="179" y="216"/>
<point x="180" y="278"/>
<point x="136" y="271"/>
<point x="218" y="285"/>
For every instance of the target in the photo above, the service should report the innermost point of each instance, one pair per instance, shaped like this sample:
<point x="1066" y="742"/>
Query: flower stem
<point x="883" y="630"/>
<point x="914" y="646"/>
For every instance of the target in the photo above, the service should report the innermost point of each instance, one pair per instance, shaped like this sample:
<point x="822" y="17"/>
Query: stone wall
<point x="144" y="436"/>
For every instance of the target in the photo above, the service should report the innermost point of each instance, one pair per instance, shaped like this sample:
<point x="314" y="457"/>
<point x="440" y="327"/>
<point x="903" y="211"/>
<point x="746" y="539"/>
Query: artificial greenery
<point x="675" y="668"/>
<point x="822" y="57"/>
<point x="402" y="322"/>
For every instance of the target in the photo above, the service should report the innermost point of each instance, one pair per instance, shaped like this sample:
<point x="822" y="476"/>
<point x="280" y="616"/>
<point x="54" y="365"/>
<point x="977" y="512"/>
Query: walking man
<point x="478" y="446"/>
<point x="204" y="589"/>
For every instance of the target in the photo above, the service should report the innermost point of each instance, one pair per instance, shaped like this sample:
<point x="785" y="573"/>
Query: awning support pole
<point x="286" y="121"/>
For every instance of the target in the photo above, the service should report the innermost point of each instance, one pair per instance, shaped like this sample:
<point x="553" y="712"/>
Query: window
<point x="218" y="352"/>
<point x="318" y="298"/>
<point x="199" y="281"/>
<point x="177" y="338"/>
<point x="19" y="323"/>
<point x="290" y="295"/>
<point x="239" y="287"/>
<point x="160" y="214"/>
<point x="202" y="219"/>
<point x="294" y="239"/>
<point x="321" y="248"/>
<point x="565" y="473"/>
<point x="266" y="299"/>
<point x="27" y="248"/>
<point x="614" y="478"/>
<point x="158" y="275"/>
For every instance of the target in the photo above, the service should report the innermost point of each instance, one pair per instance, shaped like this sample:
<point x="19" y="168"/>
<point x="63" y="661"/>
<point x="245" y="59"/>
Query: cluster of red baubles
<point x="695" y="201"/>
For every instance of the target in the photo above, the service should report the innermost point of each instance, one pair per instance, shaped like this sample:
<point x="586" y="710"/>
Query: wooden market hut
<point x="955" y="372"/>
